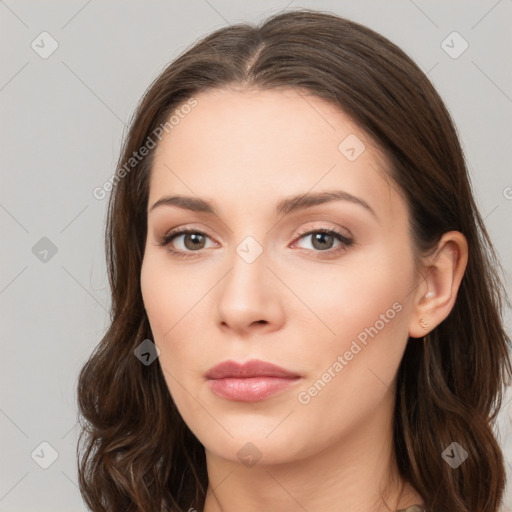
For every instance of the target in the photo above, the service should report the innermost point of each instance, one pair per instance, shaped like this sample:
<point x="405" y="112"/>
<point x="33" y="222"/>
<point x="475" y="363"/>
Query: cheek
<point x="351" y="374"/>
<point x="169" y="294"/>
<point x="349" y="298"/>
<point x="158" y="302"/>
<point x="176" y="305"/>
<point x="173" y="303"/>
<point x="366" y="308"/>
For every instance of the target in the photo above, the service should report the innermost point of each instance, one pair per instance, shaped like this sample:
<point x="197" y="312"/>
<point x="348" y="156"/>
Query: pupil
<point x="320" y="237"/>
<point x="196" y="241"/>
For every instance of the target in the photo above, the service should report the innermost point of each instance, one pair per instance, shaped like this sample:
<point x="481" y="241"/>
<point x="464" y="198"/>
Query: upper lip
<point x="252" y="368"/>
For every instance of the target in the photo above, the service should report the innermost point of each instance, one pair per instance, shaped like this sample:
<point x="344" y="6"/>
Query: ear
<point x="442" y="274"/>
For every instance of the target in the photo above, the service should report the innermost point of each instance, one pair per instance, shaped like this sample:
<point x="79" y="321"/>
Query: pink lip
<point x="249" y="382"/>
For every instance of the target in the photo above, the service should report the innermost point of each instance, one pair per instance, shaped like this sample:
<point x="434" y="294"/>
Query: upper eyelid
<point x="300" y="231"/>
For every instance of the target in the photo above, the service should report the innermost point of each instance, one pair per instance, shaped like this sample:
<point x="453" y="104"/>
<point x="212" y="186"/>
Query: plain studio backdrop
<point x="71" y="75"/>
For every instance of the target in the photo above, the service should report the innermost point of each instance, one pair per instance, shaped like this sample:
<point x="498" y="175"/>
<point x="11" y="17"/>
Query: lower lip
<point x="250" y="389"/>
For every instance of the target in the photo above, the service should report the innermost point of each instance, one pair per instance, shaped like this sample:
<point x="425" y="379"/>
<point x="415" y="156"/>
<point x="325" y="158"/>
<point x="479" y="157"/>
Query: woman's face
<point x="258" y="277"/>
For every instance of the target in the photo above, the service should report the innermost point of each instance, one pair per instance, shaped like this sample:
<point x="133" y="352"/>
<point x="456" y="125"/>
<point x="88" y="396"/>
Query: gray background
<point x="62" y="120"/>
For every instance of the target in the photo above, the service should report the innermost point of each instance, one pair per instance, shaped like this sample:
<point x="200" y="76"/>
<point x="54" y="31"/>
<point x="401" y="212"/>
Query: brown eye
<point x="323" y="240"/>
<point x="185" y="241"/>
<point x="194" y="241"/>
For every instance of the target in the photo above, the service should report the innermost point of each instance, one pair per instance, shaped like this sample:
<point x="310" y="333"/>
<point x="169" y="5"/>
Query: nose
<point x="250" y="297"/>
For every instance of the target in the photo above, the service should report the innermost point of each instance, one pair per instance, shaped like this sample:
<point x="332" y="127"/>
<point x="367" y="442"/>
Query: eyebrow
<point x="284" y="207"/>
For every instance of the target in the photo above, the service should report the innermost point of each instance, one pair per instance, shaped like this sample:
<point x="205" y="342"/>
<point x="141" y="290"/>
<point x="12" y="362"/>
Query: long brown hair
<point x="138" y="454"/>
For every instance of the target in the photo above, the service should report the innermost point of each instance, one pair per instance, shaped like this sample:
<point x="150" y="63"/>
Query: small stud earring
<point x="423" y="324"/>
<point x="429" y="295"/>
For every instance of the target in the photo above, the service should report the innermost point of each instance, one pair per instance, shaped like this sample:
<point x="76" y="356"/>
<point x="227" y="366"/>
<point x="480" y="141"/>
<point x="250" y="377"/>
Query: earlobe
<point x="442" y="275"/>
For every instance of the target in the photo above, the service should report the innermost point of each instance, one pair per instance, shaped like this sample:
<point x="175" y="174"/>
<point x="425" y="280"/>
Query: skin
<point x="244" y="151"/>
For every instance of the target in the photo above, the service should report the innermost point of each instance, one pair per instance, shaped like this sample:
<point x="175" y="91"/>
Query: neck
<point x="356" y="473"/>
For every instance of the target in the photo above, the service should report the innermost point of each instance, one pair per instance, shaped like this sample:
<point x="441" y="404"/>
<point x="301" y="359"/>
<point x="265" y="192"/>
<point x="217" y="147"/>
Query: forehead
<point x="254" y="146"/>
<point x="280" y="119"/>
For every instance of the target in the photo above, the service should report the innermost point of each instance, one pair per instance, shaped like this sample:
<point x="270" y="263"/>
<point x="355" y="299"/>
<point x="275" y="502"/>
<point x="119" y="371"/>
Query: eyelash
<point x="345" y="241"/>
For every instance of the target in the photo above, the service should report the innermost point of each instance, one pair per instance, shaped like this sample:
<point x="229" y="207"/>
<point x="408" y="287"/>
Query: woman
<point x="306" y="312"/>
